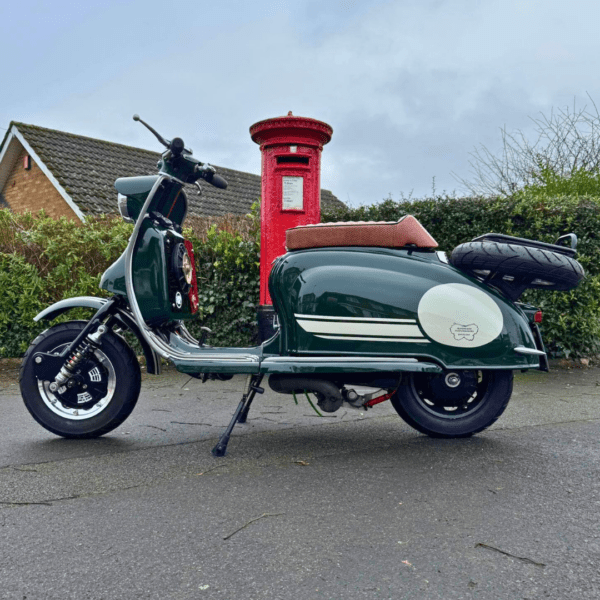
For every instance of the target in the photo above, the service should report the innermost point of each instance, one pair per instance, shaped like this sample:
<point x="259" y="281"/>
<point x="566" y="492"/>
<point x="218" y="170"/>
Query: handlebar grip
<point x="218" y="182"/>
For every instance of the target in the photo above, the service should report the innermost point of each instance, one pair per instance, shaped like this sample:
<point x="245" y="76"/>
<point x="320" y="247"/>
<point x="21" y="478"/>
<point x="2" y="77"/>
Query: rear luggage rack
<point x="508" y="239"/>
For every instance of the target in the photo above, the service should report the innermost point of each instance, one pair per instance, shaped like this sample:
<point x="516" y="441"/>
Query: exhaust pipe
<point x="329" y="397"/>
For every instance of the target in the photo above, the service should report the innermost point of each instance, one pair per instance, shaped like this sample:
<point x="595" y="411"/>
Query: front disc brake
<point x="88" y="386"/>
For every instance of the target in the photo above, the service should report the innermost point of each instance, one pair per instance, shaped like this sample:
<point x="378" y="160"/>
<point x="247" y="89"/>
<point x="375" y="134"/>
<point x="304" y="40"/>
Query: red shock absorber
<point x="373" y="401"/>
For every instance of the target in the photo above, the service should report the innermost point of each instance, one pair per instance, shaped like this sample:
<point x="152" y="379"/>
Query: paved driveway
<point x="352" y="506"/>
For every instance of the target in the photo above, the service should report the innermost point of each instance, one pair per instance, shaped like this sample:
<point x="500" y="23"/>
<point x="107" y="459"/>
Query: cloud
<point x="410" y="88"/>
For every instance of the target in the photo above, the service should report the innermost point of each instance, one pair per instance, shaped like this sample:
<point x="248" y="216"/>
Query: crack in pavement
<point x="75" y="497"/>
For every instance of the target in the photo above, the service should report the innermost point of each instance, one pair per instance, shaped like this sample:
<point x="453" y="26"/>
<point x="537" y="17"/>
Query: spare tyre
<point x="527" y="266"/>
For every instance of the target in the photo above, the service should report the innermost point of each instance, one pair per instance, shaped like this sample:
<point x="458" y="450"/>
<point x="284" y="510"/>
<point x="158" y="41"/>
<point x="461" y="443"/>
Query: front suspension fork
<point x="60" y="369"/>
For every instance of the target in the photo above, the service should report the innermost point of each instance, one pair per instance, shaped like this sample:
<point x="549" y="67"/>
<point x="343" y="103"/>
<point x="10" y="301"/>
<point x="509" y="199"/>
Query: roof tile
<point x="87" y="169"/>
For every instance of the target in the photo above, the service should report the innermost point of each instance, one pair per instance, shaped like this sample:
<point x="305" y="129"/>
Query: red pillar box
<point x="291" y="189"/>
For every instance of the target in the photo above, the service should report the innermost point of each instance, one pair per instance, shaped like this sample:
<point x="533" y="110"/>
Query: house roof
<point x="86" y="169"/>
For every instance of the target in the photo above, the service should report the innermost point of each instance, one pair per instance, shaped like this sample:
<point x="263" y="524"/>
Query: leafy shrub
<point x="42" y="261"/>
<point x="227" y="261"/>
<point x="22" y="297"/>
<point x="579" y="183"/>
<point x="571" y="319"/>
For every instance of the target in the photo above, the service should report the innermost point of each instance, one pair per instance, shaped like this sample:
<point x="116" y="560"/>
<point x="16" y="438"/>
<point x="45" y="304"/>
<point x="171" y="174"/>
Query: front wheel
<point x="453" y="404"/>
<point x="107" y="385"/>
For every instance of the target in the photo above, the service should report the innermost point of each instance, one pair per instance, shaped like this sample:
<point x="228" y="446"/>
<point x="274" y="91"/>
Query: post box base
<point x="265" y="317"/>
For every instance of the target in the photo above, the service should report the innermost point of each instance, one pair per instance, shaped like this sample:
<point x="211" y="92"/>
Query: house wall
<point x="30" y="190"/>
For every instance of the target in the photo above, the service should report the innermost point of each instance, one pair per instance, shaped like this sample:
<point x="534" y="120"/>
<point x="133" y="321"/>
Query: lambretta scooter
<point x="358" y="306"/>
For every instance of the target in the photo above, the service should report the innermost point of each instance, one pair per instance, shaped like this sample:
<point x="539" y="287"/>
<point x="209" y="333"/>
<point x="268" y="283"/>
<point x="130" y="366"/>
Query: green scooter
<point x="358" y="306"/>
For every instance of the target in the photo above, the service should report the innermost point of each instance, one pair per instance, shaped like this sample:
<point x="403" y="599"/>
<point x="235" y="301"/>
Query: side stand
<point x="241" y="413"/>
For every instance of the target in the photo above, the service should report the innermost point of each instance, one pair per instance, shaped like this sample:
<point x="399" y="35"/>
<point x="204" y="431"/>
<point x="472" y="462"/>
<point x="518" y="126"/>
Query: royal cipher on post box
<point x="291" y="190"/>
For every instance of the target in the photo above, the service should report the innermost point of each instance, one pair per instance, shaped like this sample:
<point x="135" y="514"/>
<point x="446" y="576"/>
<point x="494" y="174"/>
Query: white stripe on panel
<point x="358" y="319"/>
<point x="384" y="329"/>
<point x="370" y="339"/>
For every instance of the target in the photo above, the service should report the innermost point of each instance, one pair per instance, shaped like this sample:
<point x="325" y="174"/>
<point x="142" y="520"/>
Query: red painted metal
<point x="291" y="148"/>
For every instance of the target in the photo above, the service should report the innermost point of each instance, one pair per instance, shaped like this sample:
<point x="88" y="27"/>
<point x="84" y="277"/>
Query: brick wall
<point x="32" y="190"/>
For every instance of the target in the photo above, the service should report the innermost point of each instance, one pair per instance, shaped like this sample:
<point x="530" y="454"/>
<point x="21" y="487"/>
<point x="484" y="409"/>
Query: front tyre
<point x="111" y="376"/>
<point x="453" y="404"/>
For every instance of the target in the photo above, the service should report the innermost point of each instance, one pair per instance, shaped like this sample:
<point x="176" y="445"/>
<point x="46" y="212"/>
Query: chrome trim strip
<point x="218" y="358"/>
<point x="186" y="335"/>
<point x="155" y="343"/>
<point x="523" y="350"/>
<point x="276" y="359"/>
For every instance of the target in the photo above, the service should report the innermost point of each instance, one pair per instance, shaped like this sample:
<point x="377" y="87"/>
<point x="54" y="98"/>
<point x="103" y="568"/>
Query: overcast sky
<point x="409" y="87"/>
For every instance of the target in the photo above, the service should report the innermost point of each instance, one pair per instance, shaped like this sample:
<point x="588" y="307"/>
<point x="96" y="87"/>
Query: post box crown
<point x="291" y="130"/>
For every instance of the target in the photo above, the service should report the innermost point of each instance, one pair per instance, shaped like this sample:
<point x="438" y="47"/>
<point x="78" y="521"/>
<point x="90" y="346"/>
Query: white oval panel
<point x="460" y="315"/>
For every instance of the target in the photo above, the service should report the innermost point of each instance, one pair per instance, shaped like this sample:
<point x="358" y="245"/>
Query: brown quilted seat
<point x="386" y="234"/>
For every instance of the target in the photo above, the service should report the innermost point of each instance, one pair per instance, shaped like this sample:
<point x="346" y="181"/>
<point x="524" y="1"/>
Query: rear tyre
<point x="542" y="269"/>
<point x="111" y="376"/>
<point x="455" y="403"/>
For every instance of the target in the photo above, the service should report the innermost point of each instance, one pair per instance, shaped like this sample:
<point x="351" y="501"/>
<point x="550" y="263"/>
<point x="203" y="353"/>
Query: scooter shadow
<point x="59" y="448"/>
<point x="381" y="444"/>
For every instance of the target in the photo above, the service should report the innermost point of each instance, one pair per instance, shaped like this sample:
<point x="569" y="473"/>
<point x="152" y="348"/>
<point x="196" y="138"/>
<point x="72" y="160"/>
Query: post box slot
<point x="295" y="159"/>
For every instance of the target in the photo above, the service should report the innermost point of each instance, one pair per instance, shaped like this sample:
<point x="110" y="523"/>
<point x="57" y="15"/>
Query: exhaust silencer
<point x="329" y="397"/>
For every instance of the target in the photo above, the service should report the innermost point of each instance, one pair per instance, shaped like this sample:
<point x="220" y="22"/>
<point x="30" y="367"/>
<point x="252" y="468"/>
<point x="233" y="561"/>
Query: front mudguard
<point x="122" y="315"/>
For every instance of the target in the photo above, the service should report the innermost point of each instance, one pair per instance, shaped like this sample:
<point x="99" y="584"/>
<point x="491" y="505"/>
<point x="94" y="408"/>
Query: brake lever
<point x="159" y="137"/>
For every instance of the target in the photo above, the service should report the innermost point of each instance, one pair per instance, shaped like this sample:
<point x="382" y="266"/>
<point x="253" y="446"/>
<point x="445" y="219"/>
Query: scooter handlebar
<point x="209" y="175"/>
<point x="218" y="182"/>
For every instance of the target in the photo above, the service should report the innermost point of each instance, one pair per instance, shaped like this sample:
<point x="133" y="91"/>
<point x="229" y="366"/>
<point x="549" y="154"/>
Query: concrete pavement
<point x="354" y="506"/>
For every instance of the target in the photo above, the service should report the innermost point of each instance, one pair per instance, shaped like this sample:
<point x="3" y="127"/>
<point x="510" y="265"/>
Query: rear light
<point x="537" y="318"/>
<point x="193" y="291"/>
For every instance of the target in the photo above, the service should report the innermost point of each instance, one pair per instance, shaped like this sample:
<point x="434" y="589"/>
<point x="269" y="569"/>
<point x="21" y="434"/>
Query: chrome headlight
<point x="122" y="201"/>
<point x="181" y="266"/>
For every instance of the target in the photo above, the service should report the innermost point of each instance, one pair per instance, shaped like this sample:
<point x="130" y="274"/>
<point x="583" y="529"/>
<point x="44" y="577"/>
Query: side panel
<point x="372" y="301"/>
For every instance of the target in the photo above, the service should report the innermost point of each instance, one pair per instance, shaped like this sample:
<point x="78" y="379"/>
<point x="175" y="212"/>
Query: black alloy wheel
<point x="453" y="404"/>
<point x="104" y="389"/>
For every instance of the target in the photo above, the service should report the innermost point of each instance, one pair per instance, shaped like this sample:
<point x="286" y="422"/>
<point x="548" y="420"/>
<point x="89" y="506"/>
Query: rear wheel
<point x="455" y="403"/>
<point x="107" y="385"/>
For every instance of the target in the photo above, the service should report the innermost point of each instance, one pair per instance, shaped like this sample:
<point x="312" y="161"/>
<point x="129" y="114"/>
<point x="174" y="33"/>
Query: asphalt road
<point x="352" y="506"/>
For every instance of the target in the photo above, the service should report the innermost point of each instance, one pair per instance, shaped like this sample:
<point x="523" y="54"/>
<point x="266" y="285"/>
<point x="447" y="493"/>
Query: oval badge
<point x="459" y="315"/>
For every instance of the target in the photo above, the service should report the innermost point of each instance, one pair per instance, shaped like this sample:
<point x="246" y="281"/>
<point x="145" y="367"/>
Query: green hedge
<point x="571" y="325"/>
<point x="227" y="266"/>
<point x="43" y="260"/>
